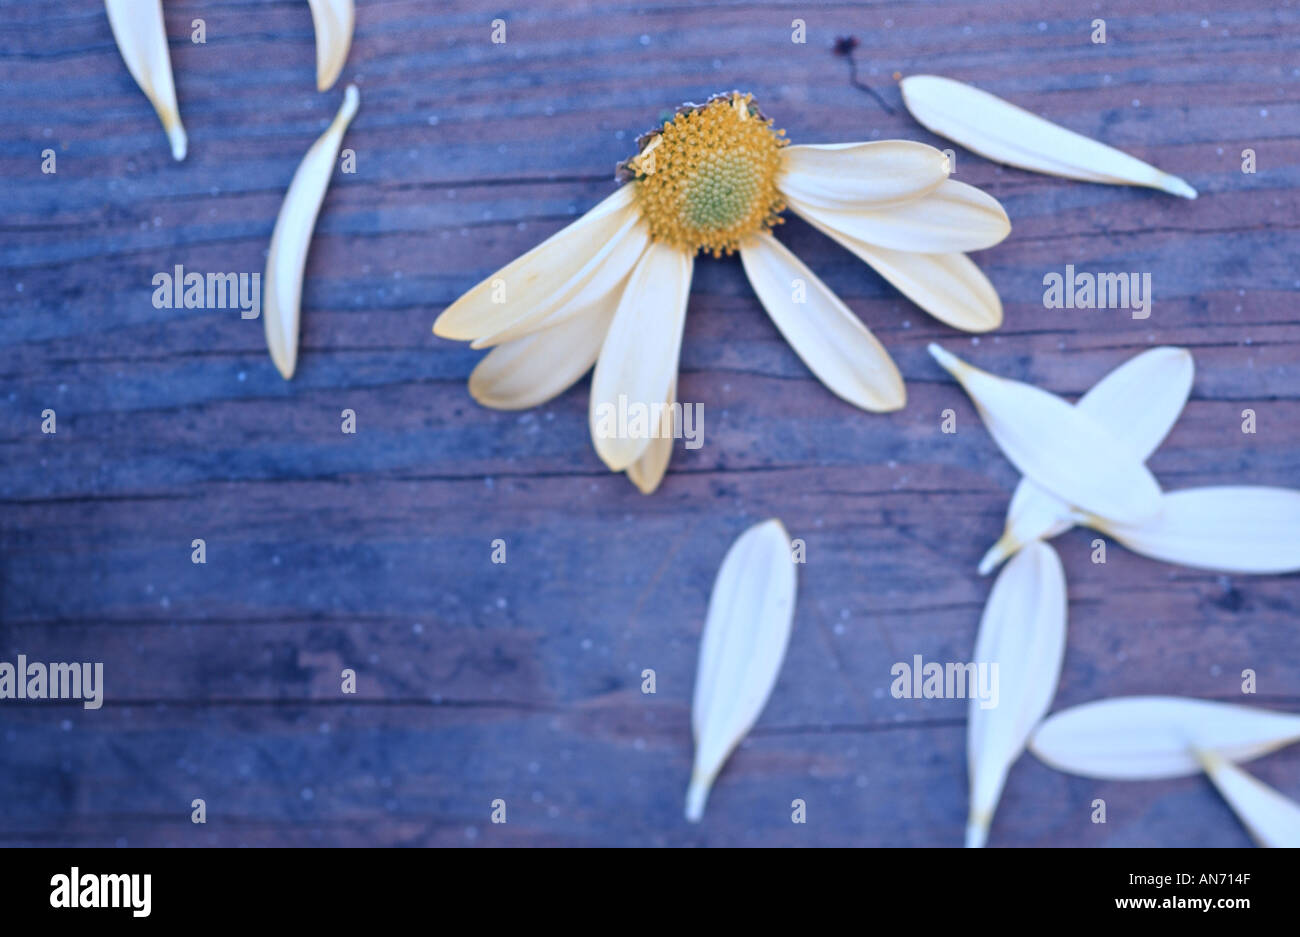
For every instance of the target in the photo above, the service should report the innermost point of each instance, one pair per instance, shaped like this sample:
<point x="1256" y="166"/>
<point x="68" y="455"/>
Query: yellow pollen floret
<point x="708" y="179"/>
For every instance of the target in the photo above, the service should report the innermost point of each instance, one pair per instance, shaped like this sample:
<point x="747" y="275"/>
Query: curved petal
<point x="141" y="37"/>
<point x="531" y="370"/>
<point x="1272" y="820"/>
<point x="829" y="338"/>
<point x="648" y="471"/>
<point x="999" y="130"/>
<point x="860" y="175"/>
<point x="638" y="360"/>
<point x="553" y="272"/>
<point x="954" y="217"/>
<point x="333" y="21"/>
<point x="949" y="287"/>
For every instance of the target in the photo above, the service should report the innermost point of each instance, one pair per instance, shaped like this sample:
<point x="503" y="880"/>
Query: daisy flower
<point x="610" y="289"/>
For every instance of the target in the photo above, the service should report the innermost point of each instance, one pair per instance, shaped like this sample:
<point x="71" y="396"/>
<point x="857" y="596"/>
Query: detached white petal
<point x="333" y="20"/>
<point x="999" y="130"/>
<point x="1232" y="529"/>
<point x="291" y="238"/>
<point x="530" y="288"/>
<point x="1132" y="738"/>
<point x="829" y="338"/>
<point x="750" y="615"/>
<point x="529" y="371"/>
<point x="1022" y="633"/>
<point x="954" y="217"/>
<point x="141" y="37"/>
<point x="1271" y="819"/>
<point x="638" y="359"/>
<point x="1058" y="445"/>
<point x="861" y="175"/>
<point x="949" y="287"/>
<point x="1139" y="402"/>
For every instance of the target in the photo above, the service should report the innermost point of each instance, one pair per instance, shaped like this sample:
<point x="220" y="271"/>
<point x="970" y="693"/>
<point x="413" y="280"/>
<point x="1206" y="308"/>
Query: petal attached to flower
<point x="999" y="130"/>
<point x="861" y="175"/>
<point x="648" y="471"/>
<point x="1271" y="819"/>
<point x="1059" y="446"/>
<point x="744" y="641"/>
<point x="333" y="20"/>
<point x="141" y="37"/>
<point x="553" y="272"/>
<point x="1022" y="634"/>
<point x="1162" y="379"/>
<point x="638" y="360"/>
<point x="953" y="218"/>
<point x="949" y="287"/>
<point x="1231" y="529"/>
<point x="291" y="238"/>
<point x="1134" y="738"/>
<point x="531" y="370"/>
<point x="829" y="338"/>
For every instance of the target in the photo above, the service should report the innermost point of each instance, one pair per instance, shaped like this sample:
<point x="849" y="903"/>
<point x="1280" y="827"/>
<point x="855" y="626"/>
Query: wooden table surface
<point x="521" y="681"/>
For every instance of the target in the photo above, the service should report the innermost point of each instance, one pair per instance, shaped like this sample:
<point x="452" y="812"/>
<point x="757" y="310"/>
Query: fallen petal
<point x="1002" y="132"/>
<point x="333" y="20"/>
<point x="141" y="37"/>
<point x="1230" y="528"/>
<point x="291" y="238"/>
<point x="1022" y="632"/>
<point x="1134" y="738"/>
<point x="1271" y="819"/>
<point x="751" y="612"/>
<point x="1058" y="445"/>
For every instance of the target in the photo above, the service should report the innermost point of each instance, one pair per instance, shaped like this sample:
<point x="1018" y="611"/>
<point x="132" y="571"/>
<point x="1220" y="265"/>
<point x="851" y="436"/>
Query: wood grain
<point x="372" y="552"/>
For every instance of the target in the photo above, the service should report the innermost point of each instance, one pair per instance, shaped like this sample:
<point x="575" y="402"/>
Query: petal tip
<point x="179" y="141"/>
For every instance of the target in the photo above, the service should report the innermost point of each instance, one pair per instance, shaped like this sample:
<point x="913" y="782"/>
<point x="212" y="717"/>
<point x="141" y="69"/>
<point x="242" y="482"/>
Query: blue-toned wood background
<point x="522" y="681"/>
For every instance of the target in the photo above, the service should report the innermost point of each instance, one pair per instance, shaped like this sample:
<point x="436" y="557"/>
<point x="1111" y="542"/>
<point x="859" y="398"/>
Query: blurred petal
<point x="1058" y="445"/>
<point x="333" y="20"/>
<point x="829" y="338"/>
<point x="638" y="360"/>
<point x="1134" y="738"/>
<point x="1022" y="632"/>
<point x="141" y="37"/>
<point x="999" y="130"/>
<point x="1271" y="819"/>
<point x="1231" y="529"/>
<point x="744" y="641"/>
<point x="861" y="175"/>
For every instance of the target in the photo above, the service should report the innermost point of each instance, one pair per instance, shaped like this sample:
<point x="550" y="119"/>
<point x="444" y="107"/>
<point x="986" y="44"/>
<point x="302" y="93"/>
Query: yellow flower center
<point x="707" y="180"/>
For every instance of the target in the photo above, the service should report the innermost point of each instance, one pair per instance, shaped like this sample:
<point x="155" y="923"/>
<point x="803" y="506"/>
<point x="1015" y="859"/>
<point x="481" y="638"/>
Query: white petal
<point x="1271" y="819"/>
<point x="861" y="175"/>
<point x="949" y="287"/>
<point x="638" y="360"/>
<point x="1232" y="529"/>
<point x="536" y="284"/>
<point x="750" y="615"/>
<point x="141" y="37"/>
<point x="1134" y="738"/>
<point x="648" y="471"/>
<point x="1057" y="445"/>
<point x="1139" y="403"/>
<point x="531" y="370"/>
<point x="1022" y="632"/>
<point x="605" y="276"/>
<point x="953" y="218"/>
<point x="999" y="130"/>
<point x="333" y="20"/>
<point x="829" y="338"/>
<point x="291" y="238"/>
